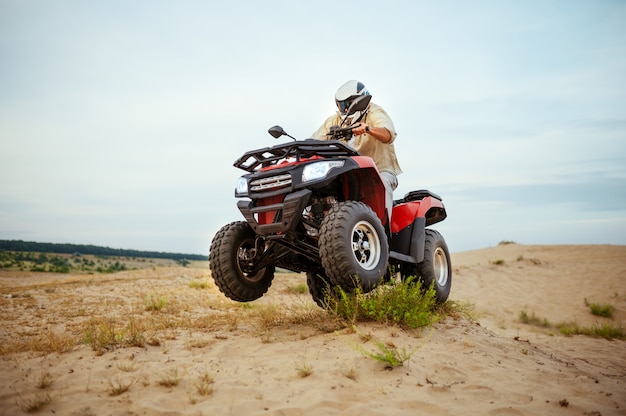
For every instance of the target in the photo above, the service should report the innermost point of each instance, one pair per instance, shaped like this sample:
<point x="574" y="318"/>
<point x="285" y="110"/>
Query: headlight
<point x="242" y="187"/>
<point x="319" y="170"/>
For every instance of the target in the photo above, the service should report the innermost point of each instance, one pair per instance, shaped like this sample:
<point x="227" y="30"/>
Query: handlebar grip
<point x="339" y="132"/>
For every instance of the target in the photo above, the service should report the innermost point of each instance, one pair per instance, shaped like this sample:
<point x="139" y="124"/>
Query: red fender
<point x="404" y="214"/>
<point x="372" y="190"/>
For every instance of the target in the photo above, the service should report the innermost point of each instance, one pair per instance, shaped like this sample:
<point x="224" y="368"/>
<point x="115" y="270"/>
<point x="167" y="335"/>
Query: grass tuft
<point x="389" y="355"/>
<point x="170" y="379"/>
<point x="603" y="310"/>
<point x="299" y="289"/>
<point x="606" y="331"/>
<point x="35" y="403"/>
<point x="107" y="334"/>
<point x="44" y="381"/>
<point x="199" y="284"/>
<point x="405" y="303"/>
<point x="154" y="303"/>
<point x="204" y="386"/>
<point x="534" y="320"/>
<point x="118" y="387"/>
<point x="304" y="369"/>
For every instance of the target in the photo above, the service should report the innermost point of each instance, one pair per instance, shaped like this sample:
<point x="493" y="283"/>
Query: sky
<point x="120" y="120"/>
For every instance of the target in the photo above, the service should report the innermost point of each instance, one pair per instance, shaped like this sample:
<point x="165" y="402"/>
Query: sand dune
<point x="201" y="354"/>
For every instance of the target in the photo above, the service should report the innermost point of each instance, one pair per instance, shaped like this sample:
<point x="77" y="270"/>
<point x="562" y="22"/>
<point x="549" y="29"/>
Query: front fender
<point x="365" y="185"/>
<point x="360" y="181"/>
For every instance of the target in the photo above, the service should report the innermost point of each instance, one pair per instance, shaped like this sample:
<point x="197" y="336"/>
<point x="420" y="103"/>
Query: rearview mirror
<point x="359" y="104"/>
<point x="276" y="131"/>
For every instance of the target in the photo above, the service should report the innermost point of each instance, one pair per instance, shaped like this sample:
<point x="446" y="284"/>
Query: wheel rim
<point x="440" y="264"/>
<point x="365" y="245"/>
<point x="245" y="258"/>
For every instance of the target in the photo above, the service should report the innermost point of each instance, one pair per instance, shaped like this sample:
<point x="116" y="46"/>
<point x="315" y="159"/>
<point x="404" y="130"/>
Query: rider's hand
<point x="379" y="133"/>
<point x="359" y="129"/>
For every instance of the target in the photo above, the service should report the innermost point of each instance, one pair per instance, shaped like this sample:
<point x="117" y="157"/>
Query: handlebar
<point x="338" y="133"/>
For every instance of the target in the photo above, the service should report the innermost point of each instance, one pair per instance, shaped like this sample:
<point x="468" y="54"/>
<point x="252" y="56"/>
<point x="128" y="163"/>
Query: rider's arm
<point x="379" y="133"/>
<point x="380" y="124"/>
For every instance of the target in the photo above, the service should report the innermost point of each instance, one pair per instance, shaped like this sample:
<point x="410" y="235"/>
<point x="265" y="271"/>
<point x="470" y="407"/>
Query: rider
<point x="373" y="135"/>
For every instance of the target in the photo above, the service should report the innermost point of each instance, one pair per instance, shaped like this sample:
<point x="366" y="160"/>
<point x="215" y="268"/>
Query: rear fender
<point x="407" y="245"/>
<point x="408" y="225"/>
<point x="431" y="209"/>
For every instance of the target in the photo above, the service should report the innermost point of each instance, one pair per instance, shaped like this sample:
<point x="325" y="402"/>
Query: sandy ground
<point x="181" y="348"/>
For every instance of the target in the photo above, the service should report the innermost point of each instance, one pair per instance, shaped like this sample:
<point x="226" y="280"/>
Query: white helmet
<point x="346" y="94"/>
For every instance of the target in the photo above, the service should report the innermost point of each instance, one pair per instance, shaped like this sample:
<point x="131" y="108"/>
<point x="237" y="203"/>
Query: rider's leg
<point x="391" y="182"/>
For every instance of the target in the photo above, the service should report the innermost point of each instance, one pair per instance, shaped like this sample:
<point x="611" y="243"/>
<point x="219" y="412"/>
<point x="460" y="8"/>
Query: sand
<point x="198" y="353"/>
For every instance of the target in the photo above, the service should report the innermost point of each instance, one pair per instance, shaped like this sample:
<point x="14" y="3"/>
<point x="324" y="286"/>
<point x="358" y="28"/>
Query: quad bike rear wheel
<point x="231" y="259"/>
<point x="353" y="246"/>
<point x="436" y="269"/>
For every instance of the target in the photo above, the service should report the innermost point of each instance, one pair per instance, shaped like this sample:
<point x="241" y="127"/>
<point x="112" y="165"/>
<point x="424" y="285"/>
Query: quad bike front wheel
<point x="353" y="246"/>
<point x="231" y="260"/>
<point x="320" y="288"/>
<point x="436" y="269"/>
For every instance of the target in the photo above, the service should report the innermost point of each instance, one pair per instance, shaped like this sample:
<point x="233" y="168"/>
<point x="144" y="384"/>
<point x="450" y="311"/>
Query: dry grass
<point x="117" y="386"/>
<point x="35" y="403"/>
<point x="55" y="314"/>
<point x="44" y="381"/>
<point x="169" y="379"/>
<point x="155" y="303"/>
<point x="114" y="310"/>
<point x="46" y="342"/>
<point x="204" y="385"/>
<point x="304" y="369"/>
<point x="351" y="373"/>
<point x="199" y="284"/>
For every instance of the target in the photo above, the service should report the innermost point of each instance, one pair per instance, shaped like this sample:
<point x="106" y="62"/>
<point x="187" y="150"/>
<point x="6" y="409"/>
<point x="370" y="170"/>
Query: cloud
<point x="119" y="122"/>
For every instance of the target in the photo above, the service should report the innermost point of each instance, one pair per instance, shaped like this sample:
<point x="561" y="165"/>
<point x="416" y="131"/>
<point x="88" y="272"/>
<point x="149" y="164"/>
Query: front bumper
<point x="286" y="214"/>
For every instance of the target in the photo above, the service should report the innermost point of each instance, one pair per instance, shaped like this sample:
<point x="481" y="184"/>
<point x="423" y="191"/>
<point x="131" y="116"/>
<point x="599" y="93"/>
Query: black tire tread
<point x="319" y="288"/>
<point x="224" y="268"/>
<point x="424" y="270"/>
<point x="336" y="259"/>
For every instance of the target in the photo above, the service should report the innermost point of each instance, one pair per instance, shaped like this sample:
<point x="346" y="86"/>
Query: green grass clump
<point x="154" y="303"/>
<point x="389" y="355"/>
<point x="534" y="320"/>
<point x="606" y="331"/>
<point x="199" y="284"/>
<point x="299" y="289"/>
<point x="603" y="310"/>
<point x="405" y="303"/>
<point x="108" y="334"/>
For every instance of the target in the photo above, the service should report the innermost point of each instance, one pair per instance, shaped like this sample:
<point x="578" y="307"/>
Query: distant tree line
<point x="59" y="248"/>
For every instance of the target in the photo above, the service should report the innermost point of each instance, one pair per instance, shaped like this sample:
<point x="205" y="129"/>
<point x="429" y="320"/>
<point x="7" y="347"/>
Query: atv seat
<point x="416" y="196"/>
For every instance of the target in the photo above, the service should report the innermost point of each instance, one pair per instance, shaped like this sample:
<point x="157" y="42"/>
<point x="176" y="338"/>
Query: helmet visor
<point x="343" y="105"/>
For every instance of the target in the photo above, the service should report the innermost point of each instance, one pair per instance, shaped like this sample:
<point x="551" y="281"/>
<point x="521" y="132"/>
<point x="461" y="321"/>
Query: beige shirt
<point x="383" y="154"/>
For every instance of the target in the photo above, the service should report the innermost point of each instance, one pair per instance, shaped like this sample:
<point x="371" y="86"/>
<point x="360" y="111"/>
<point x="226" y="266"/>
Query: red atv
<point x="318" y="207"/>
